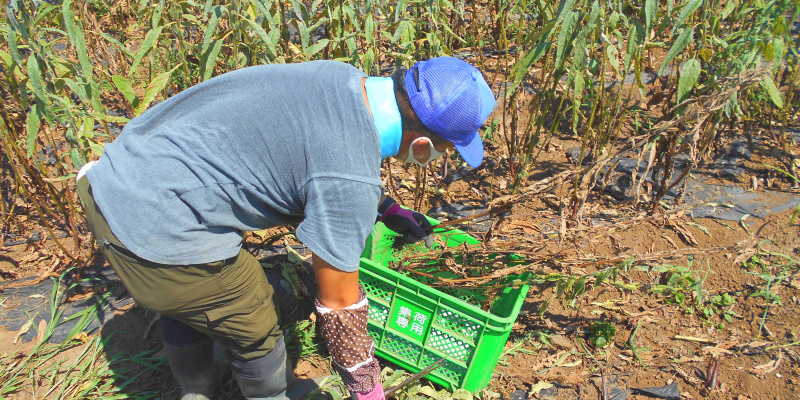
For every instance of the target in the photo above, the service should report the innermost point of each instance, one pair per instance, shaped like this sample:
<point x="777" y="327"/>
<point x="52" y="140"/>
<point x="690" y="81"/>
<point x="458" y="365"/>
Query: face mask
<point x="434" y="153"/>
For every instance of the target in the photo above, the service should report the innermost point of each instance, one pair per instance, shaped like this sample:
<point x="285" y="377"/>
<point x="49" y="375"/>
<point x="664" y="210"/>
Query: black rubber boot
<point x="271" y="377"/>
<point x="194" y="368"/>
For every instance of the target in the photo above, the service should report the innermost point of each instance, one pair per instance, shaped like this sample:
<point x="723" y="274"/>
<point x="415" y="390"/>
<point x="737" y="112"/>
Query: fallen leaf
<point x="701" y="227"/>
<point x="539" y="386"/>
<point x="608" y="304"/>
<point x="754" y="347"/>
<point x="525" y="226"/>
<point x="36" y="296"/>
<point x="743" y="225"/>
<point x="56" y="262"/>
<point x="292" y="280"/>
<point x="82" y="336"/>
<point x="265" y="265"/>
<point x="429" y="391"/>
<point x="744" y="255"/>
<point x="40" y="330"/>
<point x="686" y="376"/>
<point x="408" y="185"/>
<point x="684" y="360"/>
<point x="572" y="364"/>
<point x="23" y="330"/>
<point x="561" y="342"/>
<point x="150" y="326"/>
<point x="716" y="351"/>
<point x="294" y="256"/>
<point x="262" y="233"/>
<point x="669" y="239"/>
<point x="769" y="367"/>
<point x="684" y="233"/>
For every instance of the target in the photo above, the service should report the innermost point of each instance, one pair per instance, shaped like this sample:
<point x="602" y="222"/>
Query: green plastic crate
<point x="415" y="325"/>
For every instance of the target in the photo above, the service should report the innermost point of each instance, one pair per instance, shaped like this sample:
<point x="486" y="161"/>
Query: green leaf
<point x="157" y="14"/>
<point x="650" y="10"/>
<point x="110" y="118"/>
<point x="769" y="52"/>
<point x="147" y="44"/>
<point x="369" y="27"/>
<point x="399" y="9"/>
<point x="43" y="13"/>
<point x="209" y="59"/>
<point x="560" y="288"/>
<point x="688" y="10"/>
<point x="153" y="89"/>
<point x="305" y="34"/>
<point x="272" y="21"/>
<point x="11" y="37"/>
<point x="595" y="13"/>
<point x="32" y="124"/>
<point x="207" y="6"/>
<point x="522" y="66"/>
<point x="565" y="35"/>
<point x="6" y="58"/>
<point x="774" y="94"/>
<point x="316" y="47"/>
<point x="217" y="12"/>
<point x="779" y="51"/>
<point x="730" y="5"/>
<point x="689" y="74"/>
<point x="680" y="44"/>
<point x="613" y="57"/>
<point x="124" y="86"/>
<point x="402" y="27"/>
<point x="300" y="10"/>
<point x="779" y="29"/>
<point x="570" y="283"/>
<point x="543" y="307"/>
<point x="76" y="88"/>
<point x="77" y="39"/>
<point x="564" y="7"/>
<point x="600" y="278"/>
<point x="118" y="45"/>
<point x="580" y="85"/>
<point x="78" y="160"/>
<point x="635" y="38"/>
<point x="35" y="79"/>
<point x="271" y="47"/>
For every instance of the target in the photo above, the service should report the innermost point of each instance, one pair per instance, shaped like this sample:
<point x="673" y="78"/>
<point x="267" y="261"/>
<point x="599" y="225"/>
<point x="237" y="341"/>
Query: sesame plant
<point x="577" y="66"/>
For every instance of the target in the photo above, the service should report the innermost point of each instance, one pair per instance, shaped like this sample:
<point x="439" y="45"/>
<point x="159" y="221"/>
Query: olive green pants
<point x="228" y="300"/>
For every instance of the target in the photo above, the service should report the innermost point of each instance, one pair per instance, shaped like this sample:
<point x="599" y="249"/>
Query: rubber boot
<point x="194" y="368"/>
<point x="271" y="377"/>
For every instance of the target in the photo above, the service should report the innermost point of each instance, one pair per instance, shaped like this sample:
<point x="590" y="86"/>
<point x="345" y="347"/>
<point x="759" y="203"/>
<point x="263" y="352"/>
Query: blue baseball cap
<point x="452" y="99"/>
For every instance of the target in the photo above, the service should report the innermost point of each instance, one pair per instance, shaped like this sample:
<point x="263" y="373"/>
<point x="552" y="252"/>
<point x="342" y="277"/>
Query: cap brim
<point x="472" y="151"/>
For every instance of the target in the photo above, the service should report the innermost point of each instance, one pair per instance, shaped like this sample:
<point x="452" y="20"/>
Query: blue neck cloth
<point x="382" y="103"/>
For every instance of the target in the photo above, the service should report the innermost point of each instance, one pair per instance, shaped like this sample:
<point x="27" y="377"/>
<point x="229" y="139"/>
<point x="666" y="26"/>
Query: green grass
<point x="772" y="268"/>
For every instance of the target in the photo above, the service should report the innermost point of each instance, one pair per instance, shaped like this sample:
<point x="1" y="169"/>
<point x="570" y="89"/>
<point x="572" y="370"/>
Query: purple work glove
<point x="375" y="394"/>
<point x="410" y="224"/>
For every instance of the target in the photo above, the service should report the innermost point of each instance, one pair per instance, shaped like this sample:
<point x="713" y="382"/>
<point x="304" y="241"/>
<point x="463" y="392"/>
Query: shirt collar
<point x="385" y="113"/>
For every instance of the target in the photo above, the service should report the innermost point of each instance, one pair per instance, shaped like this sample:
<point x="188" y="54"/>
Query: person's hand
<point x="413" y="226"/>
<point x="375" y="394"/>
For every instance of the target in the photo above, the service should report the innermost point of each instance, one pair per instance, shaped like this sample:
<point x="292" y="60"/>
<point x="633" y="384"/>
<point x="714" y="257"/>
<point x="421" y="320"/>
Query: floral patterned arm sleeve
<point x="349" y="344"/>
